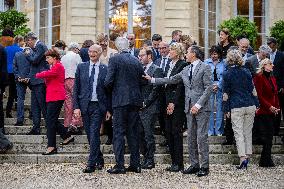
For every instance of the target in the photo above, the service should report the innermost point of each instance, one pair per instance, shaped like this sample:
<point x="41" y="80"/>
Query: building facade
<point x="78" y="20"/>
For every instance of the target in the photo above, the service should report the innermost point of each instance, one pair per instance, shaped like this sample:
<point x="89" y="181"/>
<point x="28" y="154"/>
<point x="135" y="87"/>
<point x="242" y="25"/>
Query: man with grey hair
<point x="252" y="63"/>
<point x="38" y="63"/>
<point x="91" y="102"/>
<point x="70" y="61"/>
<point x="243" y="47"/>
<point x="124" y="82"/>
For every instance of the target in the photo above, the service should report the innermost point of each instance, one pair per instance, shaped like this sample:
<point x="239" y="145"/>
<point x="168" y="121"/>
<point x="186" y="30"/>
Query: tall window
<point x="6" y="5"/>
<point x="207" y="24"/>
<point x="49" y="21"/>
<point x="130" y="17"/>
<point x="254" y="10"/>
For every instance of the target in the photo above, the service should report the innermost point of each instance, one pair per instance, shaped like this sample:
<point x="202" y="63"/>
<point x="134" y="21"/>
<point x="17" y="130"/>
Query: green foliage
<point x="240" y="25"/>
<point x="277" y="31"/>
<point x="16" y="20"/>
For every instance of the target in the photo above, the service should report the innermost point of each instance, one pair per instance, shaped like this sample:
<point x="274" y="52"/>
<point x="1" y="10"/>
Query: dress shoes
<point x="148" y="165"/>
<point x="108" y="142"/>
<point x="266" y="163"/>
<point x="99" y="166"/>
<point x="7" y="148"/>
<point x="89" y="169"/>
<point x="174" y="168"/>
<point x="19" y="123"/>
<point x="67" y="142"/>
<point x="52" y="152"/>
<point x="9" y="115"/>
<point x="117" y="170"/>
<point x="33" y="132"/>
<point x="133" y="169"/>
<point x="191" y="170"/>
<point x="203" y="172"/>
<point x="164" y="144"/>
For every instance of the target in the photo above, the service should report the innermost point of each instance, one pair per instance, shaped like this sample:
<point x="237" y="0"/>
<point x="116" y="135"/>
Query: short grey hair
<point x="265" y="48"/>
<point x="121" y="44"/>
<point x="73" y="45"/>
<point x="31" y="35"/>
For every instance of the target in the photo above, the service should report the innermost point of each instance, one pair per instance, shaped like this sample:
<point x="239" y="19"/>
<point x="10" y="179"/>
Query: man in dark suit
<point x="38" y="64"/>
<point x="156" y="39"/>
<point x="92" y="102"/>
<point x="132" y="50"/>
<point x="21" y="71"/>
<point x="124" y="79"/>
<point x="3" y="77"/>
<point x="277" y="59"/>
<point x="252" y="63"/>
<point x="150" y="109"/>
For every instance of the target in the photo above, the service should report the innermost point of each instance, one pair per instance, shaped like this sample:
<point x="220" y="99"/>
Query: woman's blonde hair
<point x="234" y="57"/>
<point x="178" y="47"/>
<point x="262" y="64"/>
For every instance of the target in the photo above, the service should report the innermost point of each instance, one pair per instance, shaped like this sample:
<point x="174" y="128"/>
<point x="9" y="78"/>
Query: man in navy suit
<point x="124" y="79"/>
<point x="38" y="64"/>
<point x="3" y="74"/>
<point x="132" y="50"/>
<point x="156" y="39"/>
<point x="92" y="103"/>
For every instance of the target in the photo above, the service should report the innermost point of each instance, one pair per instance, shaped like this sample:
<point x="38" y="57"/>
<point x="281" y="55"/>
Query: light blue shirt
<point x="219" y="69"/>
<point x="97" y="70"/>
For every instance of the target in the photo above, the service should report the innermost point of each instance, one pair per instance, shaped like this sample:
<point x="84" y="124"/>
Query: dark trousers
<point x="4" y="142"/>
<point x="108" y="129"/>
<point x="92" y="120"/>
<point x="174" y="131"/>
<point x="21" y="93"/>
<point x="278" y="122"/>
<point x="126" y="122"/>
<point x="264" y="125"/>
<point x="12" y="93"/>
<point x="53" y="124"/>
<point x="38" y="105"/>
<point x="1" y="110"/>
<point x="147" y="139"/>
<point x="228" y="131"/>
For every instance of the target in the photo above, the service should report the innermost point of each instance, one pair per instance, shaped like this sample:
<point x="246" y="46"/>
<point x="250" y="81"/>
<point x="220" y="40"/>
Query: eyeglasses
<point x="141" y="55"/>
<point x="161" y="48"/>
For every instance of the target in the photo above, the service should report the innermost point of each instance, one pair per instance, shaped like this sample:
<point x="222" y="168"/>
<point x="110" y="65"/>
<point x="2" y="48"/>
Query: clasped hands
<point x="77" y="114"/>
<point x="23" y="80"/>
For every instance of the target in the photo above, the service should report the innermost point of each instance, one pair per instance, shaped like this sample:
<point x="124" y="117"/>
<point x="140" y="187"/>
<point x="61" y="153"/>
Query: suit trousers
<point x="174" y="128"/>
<point x="126" y="122"/>
<point x="198" y="138"/>
<point x="21" y="93"/>
<point x="242" y="124"/>
<point x="52" y="123"/>
<point x="92" y="120"/>
<point x="1" y="110"/>
<point x="4" y="142"/>
<point x="38" y="104"/>
<point x="12" y="92"/>
<point x="147" y="139"/>
<point x="279" y="117"/>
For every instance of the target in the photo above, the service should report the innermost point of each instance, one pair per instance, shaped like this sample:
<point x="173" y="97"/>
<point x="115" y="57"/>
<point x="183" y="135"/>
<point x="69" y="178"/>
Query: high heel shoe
<point x="68" y="142"/>
<point x="243" y="165"/>
<point x="54" y="151"/>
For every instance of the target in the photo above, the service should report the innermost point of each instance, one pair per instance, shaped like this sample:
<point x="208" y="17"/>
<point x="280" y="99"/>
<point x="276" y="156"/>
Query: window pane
<point x="201" y="37"/>
<point x="56" y="16"/>
<point x="201" y="4"/>
<point x="212" y="38"/>
<point x="142" y="21"/>
<point x="118" y="16"/>
<point x="212" y="21"/>
<point x="43" y="4"/>
<point x="56" y="2"/>
<point x="55" y="34"/>
<point x="43" y="18"/>
<point x="212" y="5"/>
<point x="258" y="7"/>
<point x="243" y="7"/>
<point x="201" y="15"/>
<point x="259" y="22"/>
<point x="43" y="35"/>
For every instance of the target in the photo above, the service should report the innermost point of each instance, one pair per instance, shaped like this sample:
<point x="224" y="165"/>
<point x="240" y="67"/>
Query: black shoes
<point x="108" y="142"/>
<point x="9" y="115"/>
<point x="117" y="170"/>
<point x="174" y="168"/>
<point x="203" y="172"/>
<point x="33" y="132"/>
<point x="266" y="163"/>
<point x="148" y="165"/>
<point x="68" y="142"/>
<point x="191" y="170"/>
<point x="52" y="152"/>
<point x="7" y="148"/>
<point x="89" y="169"/>
<point x="133" y="169"/>
<point x="19" y="123"/>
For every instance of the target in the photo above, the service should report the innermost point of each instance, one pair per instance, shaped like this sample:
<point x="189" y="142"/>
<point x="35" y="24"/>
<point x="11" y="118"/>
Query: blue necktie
<point x="164" y="64"/>
<point x="91" y="78"/>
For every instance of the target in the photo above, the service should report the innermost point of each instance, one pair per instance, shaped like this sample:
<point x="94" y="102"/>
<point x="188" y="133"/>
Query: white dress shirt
<point x="147" y="67"/>
<point x="94" y="93"/>
<point x="70" y="62"/>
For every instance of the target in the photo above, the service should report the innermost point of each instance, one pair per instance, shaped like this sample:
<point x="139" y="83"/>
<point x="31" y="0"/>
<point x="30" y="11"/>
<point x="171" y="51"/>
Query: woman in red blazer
<point x="55" y="96"/>
<point x="265" y="84"/>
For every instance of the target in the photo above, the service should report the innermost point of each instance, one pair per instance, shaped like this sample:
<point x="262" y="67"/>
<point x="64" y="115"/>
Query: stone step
<point x="110" y="159"/>
<point x="108" y="149"/>
<point x="82" y="139"/>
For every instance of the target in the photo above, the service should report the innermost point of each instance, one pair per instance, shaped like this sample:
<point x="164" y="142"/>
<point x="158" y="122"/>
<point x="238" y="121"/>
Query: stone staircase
<point x="28" y="148"/>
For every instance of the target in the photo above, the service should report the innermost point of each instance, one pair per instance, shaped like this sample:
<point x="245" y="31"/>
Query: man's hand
<point x="77" y="113"/>
<point x="170" y="108"/>
<point x="194" y="110"/>
<point x="108" y="116"/>
<point x="228" y="115"/>
<point x="215" y="88"/>
<point x="147" y="77"/>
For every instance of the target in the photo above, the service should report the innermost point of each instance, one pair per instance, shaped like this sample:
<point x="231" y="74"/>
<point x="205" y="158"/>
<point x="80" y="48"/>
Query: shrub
<point x="277" y="31"/>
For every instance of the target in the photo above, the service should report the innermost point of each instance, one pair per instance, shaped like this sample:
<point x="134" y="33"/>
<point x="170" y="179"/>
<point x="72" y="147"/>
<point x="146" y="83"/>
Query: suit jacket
<point x="197" y="91"/>
<point x="38" y="62"/>
<point x="82" y="90"/>
<point x="54" y="80"/>
<point x="3" y="66"/>
<point x="21" y="66"/>
<point x="151" y="92"/>
<point x="252" y="64"/>
<point x="278" y="70"/>
<point x="266" y="96"/>
<point x="124" y="80"/>
<point x="159" y="61"/>
<point x="155" y="56"/>
<point x="174" y="91"/>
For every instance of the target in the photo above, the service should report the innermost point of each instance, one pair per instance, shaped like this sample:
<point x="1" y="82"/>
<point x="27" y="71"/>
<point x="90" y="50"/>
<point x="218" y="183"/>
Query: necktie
<point x="144" y="68"/>
<point x="91" y="78"/>
<point x="164" y="64"/>
<point x="190" y="72"/>
<point x="157" y="53"/>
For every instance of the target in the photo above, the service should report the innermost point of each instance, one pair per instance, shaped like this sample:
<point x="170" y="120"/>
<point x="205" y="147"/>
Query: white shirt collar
<point x="96" y="64"/>
<point x="194" y="63"/>
<point x="258" y="59"/>
<point x="148" y="66"/>
<point x="36" y="43"/>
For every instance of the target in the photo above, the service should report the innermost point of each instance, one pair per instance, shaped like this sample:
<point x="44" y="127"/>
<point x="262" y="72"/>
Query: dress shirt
<point x="36" y="43"/>
<point x="70" y="62"/>
<point x="164" y="61"/>
<point x="94" y="93"/>
<point x="245" y="57"/>
<point x="147" y="67"/>
<point x="131" y="51"/>
<point x="272" y="56"/>
<point x="258" y="59"/>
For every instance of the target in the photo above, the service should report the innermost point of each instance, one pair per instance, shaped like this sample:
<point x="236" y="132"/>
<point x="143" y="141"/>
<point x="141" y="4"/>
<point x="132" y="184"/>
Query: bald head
<point x="164" y="48"/>
<point x="95" y="52"/>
